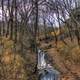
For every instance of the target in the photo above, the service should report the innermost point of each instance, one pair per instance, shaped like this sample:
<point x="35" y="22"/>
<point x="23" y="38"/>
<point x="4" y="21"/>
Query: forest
<point x="50" y="25"/>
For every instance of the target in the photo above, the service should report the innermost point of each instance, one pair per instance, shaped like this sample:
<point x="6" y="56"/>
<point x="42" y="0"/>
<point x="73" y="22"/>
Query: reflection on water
<point x="46" y="71"/>
<point x="49" y="74"/>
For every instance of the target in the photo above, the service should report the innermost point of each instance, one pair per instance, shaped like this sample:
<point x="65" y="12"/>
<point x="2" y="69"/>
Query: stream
<point x="45" y="70"/>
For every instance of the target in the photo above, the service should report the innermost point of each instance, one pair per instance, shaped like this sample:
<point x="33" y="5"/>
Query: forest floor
<point x="16" y="64"/>
<point x="20" y="66"/>
<point x="66" y="58"/>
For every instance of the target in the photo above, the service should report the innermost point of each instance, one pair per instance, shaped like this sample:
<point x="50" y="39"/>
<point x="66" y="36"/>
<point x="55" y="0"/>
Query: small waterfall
<point x="46" y="71"/>
<point x="41" y="59"/>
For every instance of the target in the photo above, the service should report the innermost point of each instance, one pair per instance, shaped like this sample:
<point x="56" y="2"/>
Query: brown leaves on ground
<point x="70" y="52"/>
<point x="11" y="64"/>
<point x="12" y="67"/>
<point x="66" y="58"/>
<point x="15" y="65"/>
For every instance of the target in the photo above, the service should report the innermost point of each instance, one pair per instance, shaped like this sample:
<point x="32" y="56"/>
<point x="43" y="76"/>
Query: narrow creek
<point x="45" y="70"/>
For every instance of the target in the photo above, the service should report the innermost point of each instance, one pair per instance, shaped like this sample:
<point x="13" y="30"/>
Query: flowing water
<point x="46" y="71"/>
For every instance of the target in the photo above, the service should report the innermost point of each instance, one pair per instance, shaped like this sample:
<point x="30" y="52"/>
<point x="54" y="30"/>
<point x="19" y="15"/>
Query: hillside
<point x="66" y="58"/>
<point x="15" y="65"/>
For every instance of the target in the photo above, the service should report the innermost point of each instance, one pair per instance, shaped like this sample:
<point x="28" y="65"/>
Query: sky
<point x="0" y="14"/>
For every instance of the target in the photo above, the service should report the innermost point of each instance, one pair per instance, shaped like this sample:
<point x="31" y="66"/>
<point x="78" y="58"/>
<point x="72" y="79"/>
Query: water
<point x="48" y="74"/>
<point x="46" y="71"/>
<point x="41" y="60"/>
